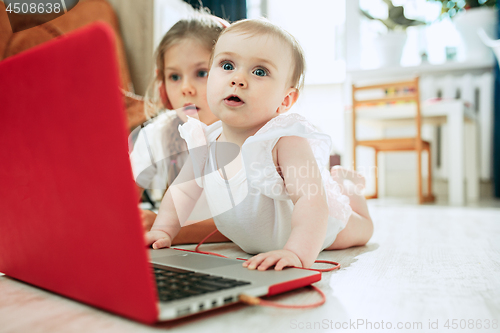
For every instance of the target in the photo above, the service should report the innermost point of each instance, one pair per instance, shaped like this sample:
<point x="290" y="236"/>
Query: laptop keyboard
<point x="175" y="283"/>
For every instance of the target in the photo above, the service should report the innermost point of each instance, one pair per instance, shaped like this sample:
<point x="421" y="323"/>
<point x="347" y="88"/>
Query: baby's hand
<point x="158" y="238"/>
<point x="280" y="258"/>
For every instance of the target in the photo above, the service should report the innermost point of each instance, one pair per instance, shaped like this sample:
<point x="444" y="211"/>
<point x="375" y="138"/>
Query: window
<point x="318" y="25"/>
<point x="434" y="39"/>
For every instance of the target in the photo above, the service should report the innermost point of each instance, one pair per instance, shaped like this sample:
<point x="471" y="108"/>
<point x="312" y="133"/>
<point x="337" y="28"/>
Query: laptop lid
<point x="69" y="223"/>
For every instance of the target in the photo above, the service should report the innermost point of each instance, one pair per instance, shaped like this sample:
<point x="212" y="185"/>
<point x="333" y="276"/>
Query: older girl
<point x="180" y="84"/>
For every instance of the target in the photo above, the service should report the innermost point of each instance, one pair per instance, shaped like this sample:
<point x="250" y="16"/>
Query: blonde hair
<point x="201" y="26"/>
<point x="261" y="26"/>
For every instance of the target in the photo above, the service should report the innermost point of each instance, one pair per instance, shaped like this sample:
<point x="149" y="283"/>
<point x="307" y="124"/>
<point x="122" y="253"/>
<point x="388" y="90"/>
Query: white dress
<point x="157" y="153"/>
<point x="152" y="153"/>
<point x="252" y="208"/>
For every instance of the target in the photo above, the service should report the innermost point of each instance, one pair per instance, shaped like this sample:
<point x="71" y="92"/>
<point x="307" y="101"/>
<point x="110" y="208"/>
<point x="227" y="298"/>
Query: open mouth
<point x="233" y="100"/>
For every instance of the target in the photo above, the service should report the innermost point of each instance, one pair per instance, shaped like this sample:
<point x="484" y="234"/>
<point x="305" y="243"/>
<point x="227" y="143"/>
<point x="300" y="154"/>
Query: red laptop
<point x="69" y="221"/>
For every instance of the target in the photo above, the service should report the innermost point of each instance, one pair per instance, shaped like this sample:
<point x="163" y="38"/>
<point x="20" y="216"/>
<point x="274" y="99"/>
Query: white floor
<point x="426" y="267"/>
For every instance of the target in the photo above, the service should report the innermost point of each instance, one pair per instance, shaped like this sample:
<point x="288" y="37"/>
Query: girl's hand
<point x="158" y="238"/>
<point x="280" y="258"/>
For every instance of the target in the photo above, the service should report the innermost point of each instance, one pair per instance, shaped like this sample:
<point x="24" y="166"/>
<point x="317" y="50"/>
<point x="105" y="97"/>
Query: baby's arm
<point x="310" y="215"/>
<point x="175" y="208"/>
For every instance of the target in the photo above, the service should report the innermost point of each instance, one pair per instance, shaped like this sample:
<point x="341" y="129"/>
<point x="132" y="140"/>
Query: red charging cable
<point x="251" y="300"/>
<point x="197" y="249"/>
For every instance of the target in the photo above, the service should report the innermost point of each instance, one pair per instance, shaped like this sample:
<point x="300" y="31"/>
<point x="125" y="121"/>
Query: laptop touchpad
<point x="194" y="262"/>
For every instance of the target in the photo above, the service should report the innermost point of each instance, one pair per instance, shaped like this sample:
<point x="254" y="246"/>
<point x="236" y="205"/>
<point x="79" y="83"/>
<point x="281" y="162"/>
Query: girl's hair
<point x="262" y="26"/>
<point x="201" y="26"/>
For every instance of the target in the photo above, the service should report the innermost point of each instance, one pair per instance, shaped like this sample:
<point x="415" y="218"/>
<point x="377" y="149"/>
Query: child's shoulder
<point x="285" y="121"/>
<point x="288" y="124"/>
<point x="290" y="130"/>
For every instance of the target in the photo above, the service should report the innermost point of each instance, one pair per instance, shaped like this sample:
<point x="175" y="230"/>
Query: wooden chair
<point x="394" y="93"/>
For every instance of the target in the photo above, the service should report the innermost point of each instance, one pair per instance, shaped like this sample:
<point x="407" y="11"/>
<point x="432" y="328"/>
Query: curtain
<point x="230" y="10"/>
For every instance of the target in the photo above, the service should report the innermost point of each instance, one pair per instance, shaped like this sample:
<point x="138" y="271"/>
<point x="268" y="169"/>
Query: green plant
<point x="396" y="19"/>
<point x="452" y="7"/>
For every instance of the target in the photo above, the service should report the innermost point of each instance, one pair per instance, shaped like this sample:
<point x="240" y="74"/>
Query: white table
<point x="466" y="159"/>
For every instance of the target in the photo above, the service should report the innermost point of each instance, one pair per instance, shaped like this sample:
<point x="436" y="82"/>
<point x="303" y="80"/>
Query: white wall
<point x="166" y="14"/>
<point x="322" y="105"/>
<point x="318" y="26"/>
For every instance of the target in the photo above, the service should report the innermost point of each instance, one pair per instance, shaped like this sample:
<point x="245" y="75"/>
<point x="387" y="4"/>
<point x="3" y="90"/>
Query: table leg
<point x="456" y="165"/>
<point x="471" y="167"/>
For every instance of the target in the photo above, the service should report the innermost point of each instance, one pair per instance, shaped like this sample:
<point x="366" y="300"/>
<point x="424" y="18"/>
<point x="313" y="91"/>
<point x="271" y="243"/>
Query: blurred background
<point x="350" y="42"/>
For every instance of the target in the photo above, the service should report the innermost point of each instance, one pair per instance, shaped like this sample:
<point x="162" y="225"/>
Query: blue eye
<point x="175" y="77"/>
<point x="202" y="73"/>
<point x="227" y="66"/>
<point x="260" y="72"/>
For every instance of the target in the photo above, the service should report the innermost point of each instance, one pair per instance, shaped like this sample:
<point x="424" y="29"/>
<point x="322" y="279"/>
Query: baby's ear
<point x="289" y="100"/>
